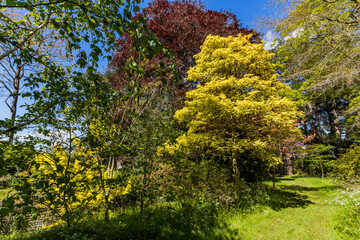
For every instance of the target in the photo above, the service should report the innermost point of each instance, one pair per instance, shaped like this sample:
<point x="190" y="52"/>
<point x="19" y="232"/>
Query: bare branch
<point x="7" y="102"/>
<point x="14" y="128"/>
<point x="5" y="86"/>
<point x="27" y="38"/>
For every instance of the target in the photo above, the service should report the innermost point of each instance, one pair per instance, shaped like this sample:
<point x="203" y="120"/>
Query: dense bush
<point x="347" y="167"/>
<point x="169" y="221"/>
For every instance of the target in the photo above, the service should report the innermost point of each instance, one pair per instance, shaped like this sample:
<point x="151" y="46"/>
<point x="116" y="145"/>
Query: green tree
<point x="317" y="160"/>
<point x="236" y="110"/>
<point x="318" y="52"/>
<point x="347" y="167"/>
<point x="93" y="23"/>
<point x="126" y="124"/>
<point x="64" y="90"/>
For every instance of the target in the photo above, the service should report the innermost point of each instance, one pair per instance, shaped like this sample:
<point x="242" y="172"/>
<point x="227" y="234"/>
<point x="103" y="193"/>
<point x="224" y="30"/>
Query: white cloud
<point x="294" y="34"/>
<point x="269" y="40"/>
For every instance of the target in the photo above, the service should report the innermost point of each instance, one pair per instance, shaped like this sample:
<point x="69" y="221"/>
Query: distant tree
<point x="182" y="27"/>
<point x="318" y="53"/>
<point x="237" y="110"/>
<point x="15" y="69"/>
<point x="317" y="160"/>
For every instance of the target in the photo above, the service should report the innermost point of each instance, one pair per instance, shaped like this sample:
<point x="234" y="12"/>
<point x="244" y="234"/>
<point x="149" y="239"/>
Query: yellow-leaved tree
<point x="237" y="109"/>
<point x="70" y="185"/>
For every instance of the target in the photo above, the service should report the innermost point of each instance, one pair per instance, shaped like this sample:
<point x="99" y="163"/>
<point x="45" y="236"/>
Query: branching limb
<point x="19" y="126"/>
<point x="27" y="38"/>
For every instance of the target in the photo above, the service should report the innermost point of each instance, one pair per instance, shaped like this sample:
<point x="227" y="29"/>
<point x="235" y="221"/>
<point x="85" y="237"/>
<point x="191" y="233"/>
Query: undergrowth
<point x="348" y="215"/>
<point x="188" y="219"/>
<point x="203" y="218"/>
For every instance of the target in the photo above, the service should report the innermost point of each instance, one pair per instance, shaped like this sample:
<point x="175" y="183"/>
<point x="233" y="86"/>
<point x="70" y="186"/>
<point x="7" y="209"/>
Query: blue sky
<point x="246" y="10"/>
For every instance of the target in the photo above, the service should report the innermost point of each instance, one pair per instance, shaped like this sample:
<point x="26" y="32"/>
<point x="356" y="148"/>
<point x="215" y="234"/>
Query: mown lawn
<point x="301" y="208"/>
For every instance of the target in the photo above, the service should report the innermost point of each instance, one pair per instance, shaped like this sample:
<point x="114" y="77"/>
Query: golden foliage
<point x="237" y="105"/>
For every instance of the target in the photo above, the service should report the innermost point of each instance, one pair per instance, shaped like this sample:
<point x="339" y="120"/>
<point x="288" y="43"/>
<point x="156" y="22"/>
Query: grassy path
<point x="298" y="209"/>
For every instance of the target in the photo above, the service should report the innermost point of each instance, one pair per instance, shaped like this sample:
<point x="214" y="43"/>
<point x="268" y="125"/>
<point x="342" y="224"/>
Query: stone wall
<point x="29" y="222"/>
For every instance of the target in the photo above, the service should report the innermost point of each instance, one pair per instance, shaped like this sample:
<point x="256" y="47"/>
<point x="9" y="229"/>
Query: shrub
<point x="347" y="167"/>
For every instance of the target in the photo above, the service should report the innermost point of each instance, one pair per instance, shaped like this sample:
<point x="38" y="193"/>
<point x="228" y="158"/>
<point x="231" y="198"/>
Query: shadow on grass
<point x="284" y="179"/>
<point x="178" y="222"/>
<point x="308" y="189"/>
<point x="283" y="198"/>
<point x="293" y="196"/>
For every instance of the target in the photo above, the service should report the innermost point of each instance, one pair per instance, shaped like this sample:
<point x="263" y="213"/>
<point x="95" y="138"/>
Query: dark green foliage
<point x="14" y="157"/>
<point x="163" y="222"/>
<point x="198" y="219"/>
<point x="252" y="168"/>
<point x="207" y="182"/>
<point x="317" y="161"/>
<point x="347" y="167"/>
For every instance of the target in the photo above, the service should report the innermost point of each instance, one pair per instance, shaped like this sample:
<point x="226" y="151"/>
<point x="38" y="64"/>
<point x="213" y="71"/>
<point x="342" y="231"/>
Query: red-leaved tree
<point x="182" y="26"/>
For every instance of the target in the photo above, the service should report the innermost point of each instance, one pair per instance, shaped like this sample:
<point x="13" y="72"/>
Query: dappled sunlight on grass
<point x="296" y="209"/>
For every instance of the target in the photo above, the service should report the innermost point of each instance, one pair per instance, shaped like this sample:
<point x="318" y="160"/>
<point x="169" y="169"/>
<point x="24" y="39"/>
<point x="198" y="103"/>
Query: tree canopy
<point x="317" y="54"/>
<point x="182" y="27"/>
<point x="94" y="24"/>
<point x="237" y="109"/>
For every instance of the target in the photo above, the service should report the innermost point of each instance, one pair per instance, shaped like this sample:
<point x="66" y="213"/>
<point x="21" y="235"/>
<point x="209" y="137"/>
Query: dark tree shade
<point x="182" y="26"/>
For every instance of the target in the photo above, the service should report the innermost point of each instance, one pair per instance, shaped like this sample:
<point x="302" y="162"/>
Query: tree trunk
<point x="336" y="119"/>
<point x="288" y="166"/>
<point x="279" y="154"/>
<point x="316" y="123"/>
<point x="311" y="117"/>
<point x="322" y="170"/>
<point x="274" y="177"/>
<point x="15" y="97"/>
<point x="110" y="169"/>
<point x="106" y="192"/>
<point x="235" y="167"/>
<point x="337" y="132"/>
<point x="106" y="209"/>
<point x="320" y="127"/>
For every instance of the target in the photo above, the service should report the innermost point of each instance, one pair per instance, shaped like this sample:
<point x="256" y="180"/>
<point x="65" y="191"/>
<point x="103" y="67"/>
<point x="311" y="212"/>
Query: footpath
<point x="302" y="209"/>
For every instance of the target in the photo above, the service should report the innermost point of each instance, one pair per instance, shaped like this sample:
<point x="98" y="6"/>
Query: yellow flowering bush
<point x="70" y="185"/>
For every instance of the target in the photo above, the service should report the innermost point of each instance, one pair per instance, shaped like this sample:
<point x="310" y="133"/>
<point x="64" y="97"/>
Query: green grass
<point x="299" y="208"/>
